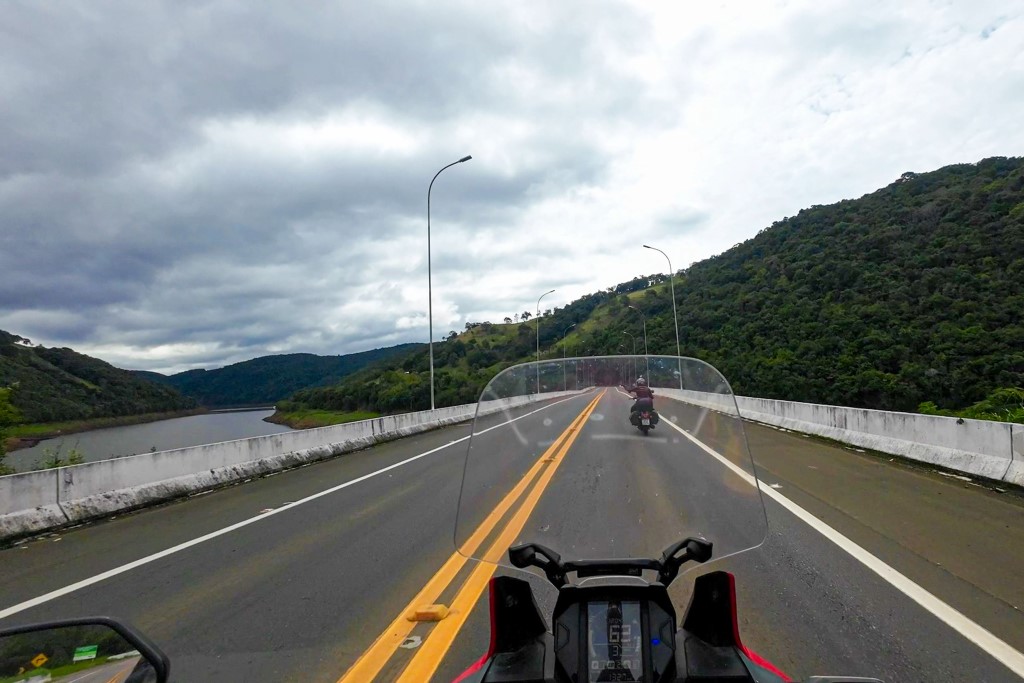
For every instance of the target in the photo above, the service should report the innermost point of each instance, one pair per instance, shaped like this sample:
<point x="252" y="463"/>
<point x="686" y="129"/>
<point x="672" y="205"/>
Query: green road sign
<point x="85" y="652"/>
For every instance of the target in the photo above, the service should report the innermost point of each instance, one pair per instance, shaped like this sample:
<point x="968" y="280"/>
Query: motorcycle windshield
<point x="560" y="457"/>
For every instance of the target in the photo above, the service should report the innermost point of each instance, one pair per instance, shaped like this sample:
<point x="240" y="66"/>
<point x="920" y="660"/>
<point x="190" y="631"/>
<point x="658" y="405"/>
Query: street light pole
<point x="646" y="357"/>
<point x="675" y="316"/>
<point x="633" y="337"/>
<point x="430" y="284"/>
<point x="538" y="336"/>
<point x="644" y="317"/>
<point x="564" y="332"/>
<point x="622" y="347"/>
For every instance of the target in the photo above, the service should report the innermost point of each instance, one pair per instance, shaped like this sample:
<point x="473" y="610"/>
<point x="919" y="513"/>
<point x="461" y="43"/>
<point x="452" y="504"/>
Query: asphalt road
<point x="111" y="672"/>
<point x="305" y="589"/>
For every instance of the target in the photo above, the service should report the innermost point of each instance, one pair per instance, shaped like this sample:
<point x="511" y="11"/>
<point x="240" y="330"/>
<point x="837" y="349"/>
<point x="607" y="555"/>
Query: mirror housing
<point x="72" y="645"/>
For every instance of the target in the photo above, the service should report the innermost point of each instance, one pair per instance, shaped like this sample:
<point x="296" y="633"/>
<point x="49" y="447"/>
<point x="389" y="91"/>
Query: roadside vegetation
<point x="8" y="416"/>
<point x="306" y="419"/>
<point x="1002" y="405"/>
<point x="56" y="457"/>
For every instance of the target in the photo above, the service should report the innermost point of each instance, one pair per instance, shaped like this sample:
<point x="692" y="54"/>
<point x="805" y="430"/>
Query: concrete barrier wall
<point x="722" y="402"/>
<point x="994" y="450"/>
<point x="29" y="502"/>
<point x="979" y="447"/>
<point x="220" y="461"/>
<point x="1015" y="474"/>
<point x="36" y="501"/>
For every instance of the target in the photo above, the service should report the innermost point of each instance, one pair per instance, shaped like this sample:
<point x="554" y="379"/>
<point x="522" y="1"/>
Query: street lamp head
<point x="465" y="158"/>
<point x="648" y="247"/>
<point x="538" y="307"/>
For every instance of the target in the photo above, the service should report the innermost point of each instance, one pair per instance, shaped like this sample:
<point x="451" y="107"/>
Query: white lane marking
<point x="986" y="640"/>
<point x="626" y="437"/>
<point x="97" y="670"/>
<point x="78" y="585"/>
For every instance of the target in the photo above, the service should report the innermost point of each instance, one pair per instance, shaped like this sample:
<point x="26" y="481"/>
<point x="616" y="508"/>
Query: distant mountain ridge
<point x="268" y="379"/>
<point x="58" y="384"/>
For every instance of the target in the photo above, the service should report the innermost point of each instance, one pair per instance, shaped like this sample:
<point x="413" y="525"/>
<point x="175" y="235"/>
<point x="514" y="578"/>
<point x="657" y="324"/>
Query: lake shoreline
<point x="43" y="431"/>
<point x="311" y="419"/>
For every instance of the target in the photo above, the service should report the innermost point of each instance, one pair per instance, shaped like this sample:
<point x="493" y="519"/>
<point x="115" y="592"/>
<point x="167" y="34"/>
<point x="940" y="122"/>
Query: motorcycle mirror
<point x="696" y="549"/>
<point x="61" y="650"/>
<point x="536" y="555"/>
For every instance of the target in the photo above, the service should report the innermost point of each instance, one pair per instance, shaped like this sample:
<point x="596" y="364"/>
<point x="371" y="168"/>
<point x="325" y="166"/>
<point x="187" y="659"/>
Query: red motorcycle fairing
<point x="711" y="618"/>
<point x="479" y="664"/>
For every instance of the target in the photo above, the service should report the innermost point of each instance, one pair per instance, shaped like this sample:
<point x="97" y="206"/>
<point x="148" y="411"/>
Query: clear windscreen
<point x="562" y="455"/>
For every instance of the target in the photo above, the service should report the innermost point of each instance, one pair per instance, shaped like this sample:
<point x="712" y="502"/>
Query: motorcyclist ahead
<point x="641" y="390"/>
<point x="643" y="394"/>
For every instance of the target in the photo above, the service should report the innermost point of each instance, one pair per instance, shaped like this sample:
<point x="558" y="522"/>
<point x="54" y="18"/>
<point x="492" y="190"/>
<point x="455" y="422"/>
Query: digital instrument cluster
<point x="614" y="636"/>
<point x="614" y="642"/>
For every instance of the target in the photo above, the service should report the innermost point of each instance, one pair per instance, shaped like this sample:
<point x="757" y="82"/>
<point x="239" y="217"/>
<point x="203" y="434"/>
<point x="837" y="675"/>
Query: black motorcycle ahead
<point x="643" y="416"/>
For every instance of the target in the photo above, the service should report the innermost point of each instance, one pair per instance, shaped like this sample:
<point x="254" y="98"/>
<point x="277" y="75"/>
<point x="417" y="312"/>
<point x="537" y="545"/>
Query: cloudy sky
<point x="190" y="184"/>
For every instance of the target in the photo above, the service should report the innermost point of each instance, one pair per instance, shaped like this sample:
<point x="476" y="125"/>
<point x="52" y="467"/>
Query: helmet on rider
<point x="641" y="382"/>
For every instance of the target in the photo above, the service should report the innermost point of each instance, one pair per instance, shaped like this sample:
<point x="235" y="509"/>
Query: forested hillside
<point x="51" y="384"/>
<point x="268" y="379"/>
<point x="911" y="294"/>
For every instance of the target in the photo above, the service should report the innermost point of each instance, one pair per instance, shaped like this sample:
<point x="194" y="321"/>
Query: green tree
<point x="9" y="415"/>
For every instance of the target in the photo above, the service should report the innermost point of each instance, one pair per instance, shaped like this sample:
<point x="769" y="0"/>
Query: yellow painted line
<point x="121" y="675"/>
<point x="377" y="655"/>
<point x="429" y="656"/>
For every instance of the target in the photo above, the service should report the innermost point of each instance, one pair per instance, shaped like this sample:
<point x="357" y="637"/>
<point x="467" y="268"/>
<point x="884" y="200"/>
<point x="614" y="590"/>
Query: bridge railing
<point x="984" y="448"/>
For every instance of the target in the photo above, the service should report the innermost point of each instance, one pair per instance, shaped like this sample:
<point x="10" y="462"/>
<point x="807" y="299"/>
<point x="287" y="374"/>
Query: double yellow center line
<point x="429" y="655"/>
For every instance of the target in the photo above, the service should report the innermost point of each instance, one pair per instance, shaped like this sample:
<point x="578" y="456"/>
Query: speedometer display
<point x="614" y="642"/>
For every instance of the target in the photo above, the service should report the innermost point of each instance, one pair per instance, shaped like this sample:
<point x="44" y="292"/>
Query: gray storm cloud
<point x="192" y="184"/>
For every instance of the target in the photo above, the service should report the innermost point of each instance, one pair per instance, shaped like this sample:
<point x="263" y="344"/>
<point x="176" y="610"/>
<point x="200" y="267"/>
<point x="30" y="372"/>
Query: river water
<point x="180" y="432"/>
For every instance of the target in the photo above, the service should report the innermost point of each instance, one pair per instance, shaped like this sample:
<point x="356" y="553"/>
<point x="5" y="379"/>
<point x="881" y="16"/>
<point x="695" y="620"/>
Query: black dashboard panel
<point x="612" y="635"/>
